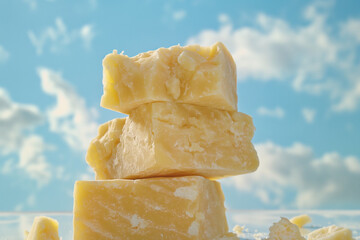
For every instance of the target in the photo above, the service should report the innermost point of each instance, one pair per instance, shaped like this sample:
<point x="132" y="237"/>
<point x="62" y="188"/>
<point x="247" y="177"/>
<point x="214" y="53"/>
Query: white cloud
<point x="93" y="4"/>
<point x="15" y="120"/>
<point x="277" y="112"/>
<point x="16" y="123"/>
<point x="350" y="29"/>
<point x="32" y="4"/>
<point x="304" y="55"/>
<point x="58" y="37"/>
<point x="308" y="114"/>
<point x="224" y="19"/>
<point x="4" y="55"/>
<point x="328" y="181"/>
<point x="87" y="34"/>
<point x="179" y="15"/>
<point x="29" y="202"/>
<point x="33" y="161"/>
<point x="70" y="117"/>
<point x="88" y="175"/>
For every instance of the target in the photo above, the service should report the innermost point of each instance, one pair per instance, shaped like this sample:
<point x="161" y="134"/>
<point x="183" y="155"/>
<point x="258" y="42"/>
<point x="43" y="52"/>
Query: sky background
<point x="298" y="77"/>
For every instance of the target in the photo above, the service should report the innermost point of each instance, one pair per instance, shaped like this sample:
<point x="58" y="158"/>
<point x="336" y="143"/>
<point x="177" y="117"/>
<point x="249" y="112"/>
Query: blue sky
<point x="298" y="77"/>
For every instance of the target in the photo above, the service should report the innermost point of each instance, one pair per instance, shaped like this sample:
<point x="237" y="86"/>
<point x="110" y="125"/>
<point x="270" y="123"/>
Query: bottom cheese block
<point x="155" y="208"/>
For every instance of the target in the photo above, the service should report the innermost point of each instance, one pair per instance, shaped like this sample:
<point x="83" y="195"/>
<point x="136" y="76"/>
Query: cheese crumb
<point x="43" y="228"/>
<point x="238" y="230"/>
<point x="331" y="233"/>
<point x="300" y="220"/>
<point x="284" y="230"/>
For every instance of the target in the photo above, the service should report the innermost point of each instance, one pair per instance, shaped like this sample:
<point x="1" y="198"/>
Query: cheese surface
<point x="43" y="228"/>
<point x="168" y="139"/>
<point x="331" y="233"/>
<point x="101" y="154"/>
<point x="154" y="208"/>
<point x="284" y="230"/>
<point x="300" y="220"/>
<point x="204" y="76"/>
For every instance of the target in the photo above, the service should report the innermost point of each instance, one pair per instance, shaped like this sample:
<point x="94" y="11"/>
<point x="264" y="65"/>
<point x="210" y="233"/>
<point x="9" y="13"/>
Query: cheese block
<point x="155" y="208"/>
<point x="43" y="228"/>
<point x="284" y="230"/>
<point x="331" y="233"/>
<point x="204" y="76"/>
<point x="169" y="139"/>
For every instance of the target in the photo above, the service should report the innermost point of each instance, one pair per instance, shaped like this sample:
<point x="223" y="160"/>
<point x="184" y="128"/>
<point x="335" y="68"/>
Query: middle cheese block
<point x="154" y="208"/>
<point x="169" y="139"/>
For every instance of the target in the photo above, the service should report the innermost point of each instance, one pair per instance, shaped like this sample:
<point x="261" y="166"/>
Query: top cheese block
<point x="204" y="76"/>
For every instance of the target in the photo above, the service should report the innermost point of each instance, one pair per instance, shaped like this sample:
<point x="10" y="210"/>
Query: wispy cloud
<point x="88" y="175"/>
<point x="70" y="116"/>
<point x="4" y="55"/>
<point x="179" y="15"/>
<point x="28" y="202"/>
<point x="87" y="34"/>
<point x="173" y="13"/>
<point x="57" y="37"/>
<point x="308" y="114"/>
<point x="327" y="181"/>
<point x="277" y="112"/>
<point x="32" y="4"/>
<point x="33" y="161"/>
<point x="304" y="55"/>
<point x="16" y="123"/>
<point x="93" y="4"/>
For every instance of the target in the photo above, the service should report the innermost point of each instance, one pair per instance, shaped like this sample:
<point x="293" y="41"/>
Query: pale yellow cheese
<point x="300" y="220"/>
<point x="331" y="233"/>
<point x="168" y="139"/>
<point x="238" y="230"/>
<point x="284" y="230"/>
<point x="204" y="76"/>
<point x="155" y="208"/>
<point x="102" y="151"/>
<point x="26" y="233"/>
<point x="43" y="228"/>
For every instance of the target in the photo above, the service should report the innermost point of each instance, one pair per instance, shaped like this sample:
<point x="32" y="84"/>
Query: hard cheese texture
<point x="284" y="230"/>
<point x="198" y="75"/>
<point x="168" y="139"/>
<point x="331" y="233"/>
<point x="300" y="220"/>
<point x="43" y="228"/>
<point x="155" y="208"/>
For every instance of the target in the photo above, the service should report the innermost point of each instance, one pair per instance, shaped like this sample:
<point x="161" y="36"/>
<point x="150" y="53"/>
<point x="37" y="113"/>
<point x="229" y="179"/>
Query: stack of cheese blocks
<point x="155" y="169"/>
